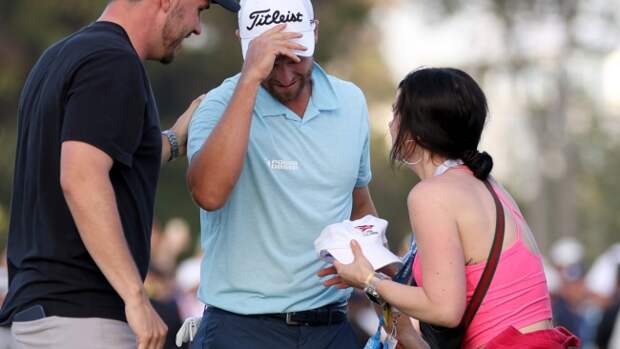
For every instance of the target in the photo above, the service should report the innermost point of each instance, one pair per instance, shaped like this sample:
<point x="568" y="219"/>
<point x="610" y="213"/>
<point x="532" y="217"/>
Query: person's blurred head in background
<point x="601" y="279"/>
<point x="159" y="285"/>
<point x="177" y="236"/>
<point x="170" y="244"/>
<point x="188" y="281"/>
<point x="566" y="255"/>
<point x="566" y="252"/>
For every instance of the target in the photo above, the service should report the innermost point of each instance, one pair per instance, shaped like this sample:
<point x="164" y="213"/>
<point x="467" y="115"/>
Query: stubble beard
<point x="171" y="38"/>
<point x="285" y="97"/>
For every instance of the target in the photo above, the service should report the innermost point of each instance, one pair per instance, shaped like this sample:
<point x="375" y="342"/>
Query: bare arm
<point x="362" y="204"/>
<point x="441" y="300"/>
<point x="84" y="177"/>
<point x="216" y="167"/>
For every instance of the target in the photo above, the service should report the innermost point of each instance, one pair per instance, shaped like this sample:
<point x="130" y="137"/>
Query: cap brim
<point x="307" y="40"/>
<point x="382" y="259"/>
<point x="230" y="5"/>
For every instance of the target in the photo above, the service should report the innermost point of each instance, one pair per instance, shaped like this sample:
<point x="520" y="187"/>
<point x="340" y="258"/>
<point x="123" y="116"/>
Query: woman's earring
<point x="414" y="162"/>
<point x="411" y="163"/>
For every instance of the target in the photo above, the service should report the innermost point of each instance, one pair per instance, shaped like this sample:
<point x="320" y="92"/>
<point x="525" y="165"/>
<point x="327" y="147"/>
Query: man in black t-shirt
<point x="89" y="151"/>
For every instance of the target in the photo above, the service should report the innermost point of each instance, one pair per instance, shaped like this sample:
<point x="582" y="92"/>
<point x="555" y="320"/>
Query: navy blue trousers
<point x="220" y="329"/>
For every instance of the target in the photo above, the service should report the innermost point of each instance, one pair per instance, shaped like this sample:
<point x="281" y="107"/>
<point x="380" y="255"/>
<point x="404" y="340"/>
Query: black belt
<point x="327" y="315"/>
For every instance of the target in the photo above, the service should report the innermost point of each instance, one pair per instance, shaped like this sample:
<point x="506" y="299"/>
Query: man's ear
<point x="316" y="31"/>
<point x="165" y="5"/>
<point x="237" y="34"/>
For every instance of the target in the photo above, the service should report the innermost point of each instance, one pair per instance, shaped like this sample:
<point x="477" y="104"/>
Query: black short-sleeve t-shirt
<point x="90" y="87"/>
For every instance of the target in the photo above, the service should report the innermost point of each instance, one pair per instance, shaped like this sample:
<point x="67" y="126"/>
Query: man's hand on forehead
<point x="269" y="48"/>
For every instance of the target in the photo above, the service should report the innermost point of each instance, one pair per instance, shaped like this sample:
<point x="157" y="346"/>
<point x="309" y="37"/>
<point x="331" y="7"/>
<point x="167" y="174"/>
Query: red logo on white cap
<point x="364" y="228"/>
<point x="367" y="229"/>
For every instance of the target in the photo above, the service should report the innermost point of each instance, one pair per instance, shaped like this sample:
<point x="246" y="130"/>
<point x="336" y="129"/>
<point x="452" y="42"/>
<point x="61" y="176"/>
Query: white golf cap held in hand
<point x="335" y="242"/>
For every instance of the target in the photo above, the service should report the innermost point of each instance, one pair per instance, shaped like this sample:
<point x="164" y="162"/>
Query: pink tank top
<point x="518" y="294"/>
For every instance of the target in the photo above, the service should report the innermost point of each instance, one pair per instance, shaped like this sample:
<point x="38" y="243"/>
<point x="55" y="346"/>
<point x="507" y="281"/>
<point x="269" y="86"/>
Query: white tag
<point x="188" y="331"/>
<point x="390" y="343"/>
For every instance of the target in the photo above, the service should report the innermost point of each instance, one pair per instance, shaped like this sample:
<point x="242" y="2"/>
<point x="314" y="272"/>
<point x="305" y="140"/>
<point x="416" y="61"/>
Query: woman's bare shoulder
<point x="447" y="188"/>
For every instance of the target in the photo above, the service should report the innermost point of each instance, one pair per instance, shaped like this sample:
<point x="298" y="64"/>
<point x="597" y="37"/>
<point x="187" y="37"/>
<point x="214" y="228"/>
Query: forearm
<point x="362" y="204"/>
<point x="214" y="170"/>
<point x="364" y="210"/>
<point x="93" y="207"/>
<point x="414" y="302"/>
<point x="178" y="134"/>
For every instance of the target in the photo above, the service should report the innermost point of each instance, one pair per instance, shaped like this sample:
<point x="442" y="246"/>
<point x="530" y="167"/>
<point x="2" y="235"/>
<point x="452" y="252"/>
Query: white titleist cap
<point x="335" y="242"/>
<point x="258" y="16"/>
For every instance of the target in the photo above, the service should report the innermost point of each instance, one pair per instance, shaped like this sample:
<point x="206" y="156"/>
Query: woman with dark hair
<point x="456" y="212"/>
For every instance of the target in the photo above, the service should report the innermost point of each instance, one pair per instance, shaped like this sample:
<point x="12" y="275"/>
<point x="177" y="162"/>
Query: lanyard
<point x="403" y="277"/>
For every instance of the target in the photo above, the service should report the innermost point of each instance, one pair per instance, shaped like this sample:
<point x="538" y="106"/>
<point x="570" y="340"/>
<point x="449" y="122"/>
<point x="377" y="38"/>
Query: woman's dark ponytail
<point x="480" y="164"/>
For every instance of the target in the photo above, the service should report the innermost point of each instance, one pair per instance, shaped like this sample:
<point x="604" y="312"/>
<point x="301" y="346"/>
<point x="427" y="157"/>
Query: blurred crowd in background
<point x="585" y="298"/>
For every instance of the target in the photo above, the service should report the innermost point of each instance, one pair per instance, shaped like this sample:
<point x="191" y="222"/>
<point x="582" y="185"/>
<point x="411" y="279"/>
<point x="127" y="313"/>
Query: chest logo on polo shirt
<point x="283" y="165"/>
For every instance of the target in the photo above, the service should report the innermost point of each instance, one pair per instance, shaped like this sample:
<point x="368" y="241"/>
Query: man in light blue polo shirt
<point x="277" y="153"/>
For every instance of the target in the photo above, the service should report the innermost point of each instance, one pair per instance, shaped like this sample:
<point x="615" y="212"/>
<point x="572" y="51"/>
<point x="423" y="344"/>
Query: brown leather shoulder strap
<point x="492" y="261"/>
